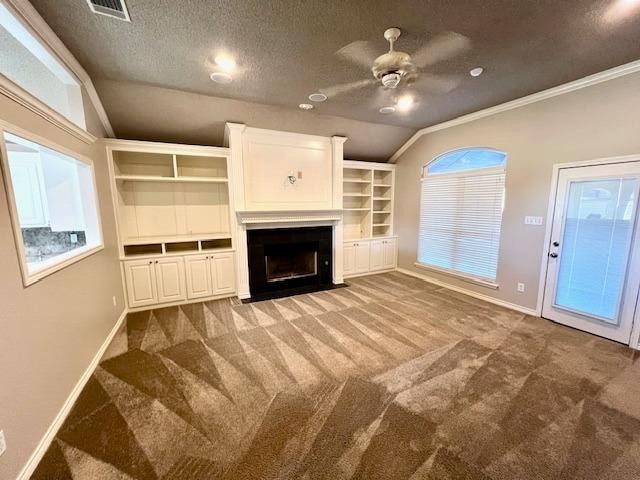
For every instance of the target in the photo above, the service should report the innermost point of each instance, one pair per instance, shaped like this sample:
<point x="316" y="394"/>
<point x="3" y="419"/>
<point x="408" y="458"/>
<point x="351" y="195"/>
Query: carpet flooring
<point x="390" y="378"/>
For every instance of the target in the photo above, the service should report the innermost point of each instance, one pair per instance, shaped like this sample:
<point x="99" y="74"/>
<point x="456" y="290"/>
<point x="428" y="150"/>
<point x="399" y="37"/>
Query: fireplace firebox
<point x="285" y="261"/>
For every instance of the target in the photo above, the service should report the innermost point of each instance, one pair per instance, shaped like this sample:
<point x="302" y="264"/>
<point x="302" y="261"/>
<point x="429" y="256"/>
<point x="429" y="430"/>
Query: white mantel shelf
<point x="288" y="216"/>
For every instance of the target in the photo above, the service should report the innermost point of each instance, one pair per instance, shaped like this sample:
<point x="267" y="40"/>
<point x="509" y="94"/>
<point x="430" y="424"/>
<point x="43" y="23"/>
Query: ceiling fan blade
<point x="438" y="84"/>
<point x="360" y="52"/>
<point x="444" y="46"/>
<point x="342" y="88"/>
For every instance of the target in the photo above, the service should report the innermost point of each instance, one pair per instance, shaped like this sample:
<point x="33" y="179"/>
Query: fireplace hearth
<point x="287" y="261"/>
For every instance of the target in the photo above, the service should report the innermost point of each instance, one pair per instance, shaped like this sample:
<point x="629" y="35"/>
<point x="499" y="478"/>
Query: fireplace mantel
<point x="246" y="217"/>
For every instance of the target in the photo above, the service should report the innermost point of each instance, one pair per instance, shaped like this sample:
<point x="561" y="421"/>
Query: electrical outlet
<point x="114" y="300"/>
<point x="521" y="287"/>
<point x="3" y="443"/>
<point x="73" y="237"/>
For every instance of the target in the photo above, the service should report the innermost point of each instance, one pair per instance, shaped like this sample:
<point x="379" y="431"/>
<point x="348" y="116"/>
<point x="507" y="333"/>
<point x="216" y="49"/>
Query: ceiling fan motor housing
<point x="391" y="67"/>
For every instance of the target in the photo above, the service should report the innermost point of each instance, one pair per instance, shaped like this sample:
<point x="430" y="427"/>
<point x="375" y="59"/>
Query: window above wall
<point x="34" y="72"/>
<point x="461" y="205"/>
<point x="53" y="203"/>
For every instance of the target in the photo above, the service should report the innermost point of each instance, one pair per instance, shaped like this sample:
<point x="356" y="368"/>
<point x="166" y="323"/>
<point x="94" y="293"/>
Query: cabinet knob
<point x="150" y="262"/>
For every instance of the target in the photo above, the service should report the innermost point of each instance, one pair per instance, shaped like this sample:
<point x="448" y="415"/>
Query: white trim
<point x="79" y="254"/>
<point x="465" y="278"/>
<point x="288" y="216"/>
<point x="470" y="293"/>
<point x="51" y="432"/>
<point x="30" y="15"/>
<point x="544" y="263"/>
<point x="595" y="79"/>
<point x="37" y="106"/>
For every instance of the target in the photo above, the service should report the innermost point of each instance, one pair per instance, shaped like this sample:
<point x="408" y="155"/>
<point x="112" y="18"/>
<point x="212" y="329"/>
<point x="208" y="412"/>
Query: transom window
<point x="29" y="65"/>
<point x="461" y="205"/>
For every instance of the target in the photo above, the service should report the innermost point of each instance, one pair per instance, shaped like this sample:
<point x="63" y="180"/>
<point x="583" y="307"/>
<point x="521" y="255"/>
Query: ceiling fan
<point x="395" y="68"/>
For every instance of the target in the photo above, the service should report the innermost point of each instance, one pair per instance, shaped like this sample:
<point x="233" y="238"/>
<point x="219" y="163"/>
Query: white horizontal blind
<point x="460" y="219"/>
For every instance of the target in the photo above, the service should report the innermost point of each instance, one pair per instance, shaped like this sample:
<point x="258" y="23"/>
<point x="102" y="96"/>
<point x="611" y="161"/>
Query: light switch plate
<point x="73" y="237"/>
<point x="530" y="220"/>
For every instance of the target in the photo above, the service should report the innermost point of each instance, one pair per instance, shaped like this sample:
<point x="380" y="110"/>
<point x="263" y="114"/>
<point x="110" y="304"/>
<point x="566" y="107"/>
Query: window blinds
<point x="460" y="217"/>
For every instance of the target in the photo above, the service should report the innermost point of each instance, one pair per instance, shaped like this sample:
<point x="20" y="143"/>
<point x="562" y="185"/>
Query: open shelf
<point x="176" y="238"/>
<point x="146" y="178"/>
<point x="367" y="200"/>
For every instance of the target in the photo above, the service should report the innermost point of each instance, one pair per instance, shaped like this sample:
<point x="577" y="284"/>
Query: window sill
<point x="461" y="276"/>
<point x="57" y="263"/>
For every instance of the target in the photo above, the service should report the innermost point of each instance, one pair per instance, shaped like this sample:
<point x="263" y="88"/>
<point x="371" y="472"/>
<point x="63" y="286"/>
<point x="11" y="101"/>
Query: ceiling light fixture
<point x="305" y="106"/>
<point x="476" y="72"/>
<point x="387" y="110"/>
<point x="620" y="9"/>
<point x="226" y="63"/>
<point x="317" y="97"/>
<point x="405" y="103"/>
<point x="221" y="77"/>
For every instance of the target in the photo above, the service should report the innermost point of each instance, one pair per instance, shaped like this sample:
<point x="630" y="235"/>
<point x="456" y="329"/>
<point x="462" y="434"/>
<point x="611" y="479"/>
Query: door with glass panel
<point x="593" y="272"/>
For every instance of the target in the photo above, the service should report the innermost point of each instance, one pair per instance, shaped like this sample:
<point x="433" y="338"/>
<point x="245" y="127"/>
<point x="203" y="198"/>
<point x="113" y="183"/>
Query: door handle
<point x="553" y="255"/>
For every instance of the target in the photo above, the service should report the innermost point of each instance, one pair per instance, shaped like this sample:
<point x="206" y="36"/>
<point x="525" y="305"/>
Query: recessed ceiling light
<point x="226" y="63"/>
<point x="405" y="103"/>
<point x="305" y="106"/>
<point x="317" y="97"/>
<point x="476" y="72"/>
<point x="387" y="110"/>
<point x="221" y="77"/>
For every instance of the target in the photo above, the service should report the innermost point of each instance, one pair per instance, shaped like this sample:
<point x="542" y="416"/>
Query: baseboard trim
<point x="51" y="432"/>
<point x="471" y="293"/>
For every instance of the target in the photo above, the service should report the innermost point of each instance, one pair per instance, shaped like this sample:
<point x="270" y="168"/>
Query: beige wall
<point x="145" y="112"/>
<point x="595" y="122"/>
<point x="50" y="331"/>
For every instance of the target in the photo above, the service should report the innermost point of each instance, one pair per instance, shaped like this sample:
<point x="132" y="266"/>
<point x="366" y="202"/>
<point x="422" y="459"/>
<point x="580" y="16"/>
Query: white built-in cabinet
<point x="368" y="256"/>
<point x="174" y="221"/>
<point x="368" y="202"/>
<point x="210" y="275"/>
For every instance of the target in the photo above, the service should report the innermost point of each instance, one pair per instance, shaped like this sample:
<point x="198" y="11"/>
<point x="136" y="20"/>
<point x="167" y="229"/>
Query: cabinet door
<point x="170" y="280"/>
<point x="198" y="272"/>
<point x="377" y="255"/>
<point x="390" y="253"/>
<point x="362" y="257"/>
<point x="26" y="179"/>
<point x="349" y="256"/>
<point x="141" y="283"/>
<point x="223" y="273"/>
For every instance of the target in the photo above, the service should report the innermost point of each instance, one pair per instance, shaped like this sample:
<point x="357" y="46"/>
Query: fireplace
<point x="286" y="261"/>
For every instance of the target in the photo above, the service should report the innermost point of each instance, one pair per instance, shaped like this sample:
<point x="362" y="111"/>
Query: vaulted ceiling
<point x="286" y="50"/>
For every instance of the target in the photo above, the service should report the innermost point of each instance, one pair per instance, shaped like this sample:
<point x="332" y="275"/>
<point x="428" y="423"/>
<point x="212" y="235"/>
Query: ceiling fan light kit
<point x="394" y="69"/>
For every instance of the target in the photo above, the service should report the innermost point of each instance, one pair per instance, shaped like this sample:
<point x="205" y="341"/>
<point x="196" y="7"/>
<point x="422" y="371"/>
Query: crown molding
<point x="595" y="79"/>
<point x="33" y="19"/>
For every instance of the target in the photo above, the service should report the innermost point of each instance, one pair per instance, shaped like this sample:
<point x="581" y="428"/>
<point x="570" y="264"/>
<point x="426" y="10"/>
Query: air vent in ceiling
<point x="111" y="8"/>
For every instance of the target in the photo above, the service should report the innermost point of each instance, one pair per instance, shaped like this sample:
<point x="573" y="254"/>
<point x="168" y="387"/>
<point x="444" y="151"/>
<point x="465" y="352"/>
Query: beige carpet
<point x="390" y="378"/>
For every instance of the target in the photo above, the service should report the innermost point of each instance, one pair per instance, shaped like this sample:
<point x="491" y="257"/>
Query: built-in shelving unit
<point x="367" y="200"/>
<point x="168" y="200"/>
<point x="174" y="223"/>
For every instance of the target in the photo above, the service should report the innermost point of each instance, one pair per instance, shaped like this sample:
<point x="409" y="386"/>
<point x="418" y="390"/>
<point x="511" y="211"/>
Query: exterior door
<point x="141" y="283"/>
<point x="170" y="280"/>
<point x="198" y="272"/>
<point x="593" y="272"/>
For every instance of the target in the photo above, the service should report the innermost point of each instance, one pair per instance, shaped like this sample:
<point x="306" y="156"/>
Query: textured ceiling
<point x="286" y="49"/>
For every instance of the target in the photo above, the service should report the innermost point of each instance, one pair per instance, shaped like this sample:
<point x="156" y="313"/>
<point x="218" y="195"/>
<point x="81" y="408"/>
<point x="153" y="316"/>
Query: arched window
<point x="461" y="213"/>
